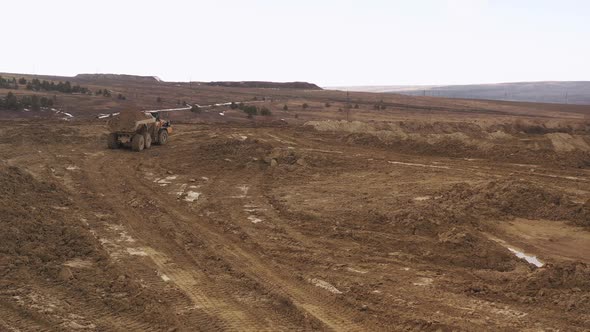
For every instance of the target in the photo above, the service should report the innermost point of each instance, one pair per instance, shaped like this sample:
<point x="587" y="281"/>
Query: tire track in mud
<point x="218" y="308"/>
<point x="11" y="320"/>
<point x="304" y="295"/>
<point x="193" y="285"/>
<point x="305" y="298"/>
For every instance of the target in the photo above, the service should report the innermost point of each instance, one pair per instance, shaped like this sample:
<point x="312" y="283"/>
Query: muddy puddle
<point x="529" y="258"/>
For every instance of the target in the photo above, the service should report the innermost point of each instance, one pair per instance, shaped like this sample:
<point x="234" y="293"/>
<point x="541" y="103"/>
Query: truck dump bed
<point x="128" y="121"/>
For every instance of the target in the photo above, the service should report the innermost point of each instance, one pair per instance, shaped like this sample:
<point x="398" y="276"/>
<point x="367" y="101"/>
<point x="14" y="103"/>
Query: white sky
<point x="328" y="42"/>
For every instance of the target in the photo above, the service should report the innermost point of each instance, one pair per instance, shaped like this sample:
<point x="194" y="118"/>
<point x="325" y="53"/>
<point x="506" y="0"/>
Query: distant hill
<point x="119" y="79"/>
<point x="569" y="92"/>
<point x="266" y="85"/>
<point x="115" y="77"/>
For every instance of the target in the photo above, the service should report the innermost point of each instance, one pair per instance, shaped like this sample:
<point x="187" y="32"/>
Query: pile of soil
<point x="565" y="285"/>
<point x="291" y="160"/>
<point x="35" y="234"/>
<point x="460" y="246"/>
<point x="125" y="121"/>
<point x="235" y="149"/>
<point x="452" y="219"/>
<point x="564" y="275"/>
<point x="515" y="198"/>
<point x="451" y="139"/>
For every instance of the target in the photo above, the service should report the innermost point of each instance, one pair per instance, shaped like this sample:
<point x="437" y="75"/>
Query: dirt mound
<point x="565" y="142"/>
<point x="471" y="140"/>
<point x="31" y="213"/>
<point x="452" y="216"/>
<point x="564" y="285"/>
<point x="125" y="121"/>
<point x="462" y="247"/>
<point x="564" y="275"/>
<point x="513" y="198"/>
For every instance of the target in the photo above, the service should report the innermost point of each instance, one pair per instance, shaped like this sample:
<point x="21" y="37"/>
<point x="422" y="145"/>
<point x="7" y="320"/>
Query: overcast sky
<point x="328" y="42"/>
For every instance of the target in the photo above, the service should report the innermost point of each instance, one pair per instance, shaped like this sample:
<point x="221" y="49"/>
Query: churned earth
<point x="322" y="226"/>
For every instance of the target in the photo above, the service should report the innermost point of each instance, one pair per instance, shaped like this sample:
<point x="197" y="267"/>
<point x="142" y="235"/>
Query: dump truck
<point x="138" y="130"/>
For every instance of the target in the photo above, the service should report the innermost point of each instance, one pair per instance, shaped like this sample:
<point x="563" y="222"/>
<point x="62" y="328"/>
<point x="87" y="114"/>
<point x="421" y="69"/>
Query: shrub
<point x="233" y="105"/>
<point x="251" y="110"/>
<point x="11" y="102"/>
<point x="285" y="107"/>
<point x="22" y="81"/>
<point x="195" y="109"/>
<point x="305" y="106"/>
<point x="356" y="106"/>
<point x="46" y="102"/>
<point x="327" y="105"/>
<point x="158" y="100"/>
<point x="265" y="112"/>
<point x="121" y="97"/>
<point x="35" y="103"/>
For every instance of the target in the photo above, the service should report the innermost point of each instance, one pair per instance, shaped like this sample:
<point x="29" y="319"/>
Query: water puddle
<point x="518" y="253"/>
<point x="531" y="259"/>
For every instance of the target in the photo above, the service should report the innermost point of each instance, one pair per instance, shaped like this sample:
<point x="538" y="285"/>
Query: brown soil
<point x="239" y="224"/>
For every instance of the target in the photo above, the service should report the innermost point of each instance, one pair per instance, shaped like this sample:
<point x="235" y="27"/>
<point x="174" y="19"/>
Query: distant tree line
<point x="8" y="83"/>
<point x="65" y="87"/>
<point x="104" y="93"/>
<point x="12" y="102"/>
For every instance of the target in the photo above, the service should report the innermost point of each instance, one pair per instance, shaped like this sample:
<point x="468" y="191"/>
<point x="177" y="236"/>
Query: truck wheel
<point x="137" y="142"/>
<point x="113" y="143"/>
<point x="147" y="138"/>
<point x="163" y="137"/>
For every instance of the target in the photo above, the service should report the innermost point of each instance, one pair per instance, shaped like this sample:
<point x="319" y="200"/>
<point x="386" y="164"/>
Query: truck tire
<point x="113" y="143"/>
<point x="137" y="142"/>
<point x="163" y="137"/>
<point x="147" y="140"/>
